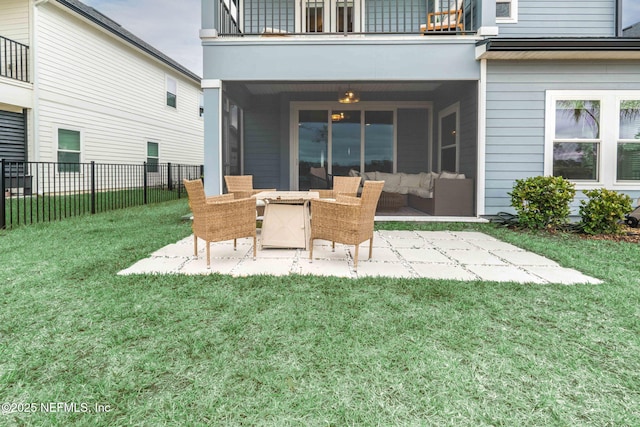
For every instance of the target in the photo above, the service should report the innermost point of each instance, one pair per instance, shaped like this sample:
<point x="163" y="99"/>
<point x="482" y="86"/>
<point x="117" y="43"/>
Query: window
<point x="506" y="11"/>
<point x="68" y="150"/>
<point x="628" y="153"/>
<point x="576" y="143"/>
<point x="152" y="157"/>
<point x="172" y="91"/>
<point x="449" y="138"/>
<point x="201" y="111"/>
<point x="593" y="138"/>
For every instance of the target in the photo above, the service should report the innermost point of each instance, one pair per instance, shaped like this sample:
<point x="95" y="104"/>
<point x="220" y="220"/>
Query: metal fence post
<point x="144" y="183"/>
<point x="169" y="180"/>
<point x="93" y="187"/>
<point x="3" y="206"/>
<point x="179" y="179"/>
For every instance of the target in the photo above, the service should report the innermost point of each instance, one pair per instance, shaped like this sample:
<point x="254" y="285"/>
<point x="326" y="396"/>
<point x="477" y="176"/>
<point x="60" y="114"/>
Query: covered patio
<point x="280" y="132"/>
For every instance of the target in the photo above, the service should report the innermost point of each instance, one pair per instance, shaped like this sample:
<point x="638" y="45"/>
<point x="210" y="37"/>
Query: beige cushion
<point x="391" y="180"/>
<point x="448" y="175"/>
<point x="421" y="192"/>
<point x="425" y="180"/>
<point x="410" y="180"/>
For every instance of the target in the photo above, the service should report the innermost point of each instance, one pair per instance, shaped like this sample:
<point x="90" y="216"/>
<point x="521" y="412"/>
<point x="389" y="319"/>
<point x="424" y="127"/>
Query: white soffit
<point x="562" y="54"/>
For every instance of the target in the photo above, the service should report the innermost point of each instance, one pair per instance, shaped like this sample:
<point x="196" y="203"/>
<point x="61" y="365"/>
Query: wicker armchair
<point x="242" y="187"/>
<point x="347" y="185"/>
<point x="220" y="218"/>
<point x="348" y="220"/>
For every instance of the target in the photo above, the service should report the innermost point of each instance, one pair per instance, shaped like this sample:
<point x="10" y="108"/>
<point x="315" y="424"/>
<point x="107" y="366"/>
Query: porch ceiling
<point x="274" y="88"/>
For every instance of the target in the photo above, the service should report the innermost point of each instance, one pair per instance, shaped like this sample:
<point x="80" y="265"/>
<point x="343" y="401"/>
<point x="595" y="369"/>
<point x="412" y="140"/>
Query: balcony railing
<point x="345" y="17"/>
<point x="14" y="59"/>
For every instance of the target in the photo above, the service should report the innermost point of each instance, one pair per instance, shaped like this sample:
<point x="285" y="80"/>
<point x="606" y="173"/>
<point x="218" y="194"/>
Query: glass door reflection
<point x="345" y="141"/>
<point x="313" y="134"/>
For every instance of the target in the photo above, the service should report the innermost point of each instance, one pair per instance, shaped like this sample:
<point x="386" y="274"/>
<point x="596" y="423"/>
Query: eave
<point x="561" y="48"/>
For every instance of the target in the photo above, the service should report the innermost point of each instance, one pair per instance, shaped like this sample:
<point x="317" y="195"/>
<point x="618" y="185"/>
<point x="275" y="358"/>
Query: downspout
<point x="618" y="29"/>
<point x="482" y="143"/>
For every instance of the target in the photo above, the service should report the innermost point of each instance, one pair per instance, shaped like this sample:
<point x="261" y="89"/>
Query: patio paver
<point x="468" y="256"/>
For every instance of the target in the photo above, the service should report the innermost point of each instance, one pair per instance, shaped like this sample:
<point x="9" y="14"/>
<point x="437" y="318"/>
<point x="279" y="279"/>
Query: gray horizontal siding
<point x="395" y="15"/>
<point x="413" y="142"/>
<point x="262" y="142"/>
<point x="275" y="14"/>
<point x="516" y="93"/>
<point x="562" y="18"/>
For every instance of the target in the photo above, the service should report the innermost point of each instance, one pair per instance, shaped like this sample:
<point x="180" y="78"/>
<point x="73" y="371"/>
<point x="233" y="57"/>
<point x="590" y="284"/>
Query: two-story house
<point x="495" y="89"/>
<point x="77" y="87"/>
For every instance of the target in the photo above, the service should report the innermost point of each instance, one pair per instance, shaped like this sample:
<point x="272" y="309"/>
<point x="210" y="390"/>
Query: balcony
<point x="345" y="17"/>
<point x="14" y="60"/>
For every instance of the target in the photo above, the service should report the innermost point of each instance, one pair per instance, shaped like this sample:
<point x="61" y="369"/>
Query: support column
<point x="212" y="136"/>
<point x="488" y="26"/>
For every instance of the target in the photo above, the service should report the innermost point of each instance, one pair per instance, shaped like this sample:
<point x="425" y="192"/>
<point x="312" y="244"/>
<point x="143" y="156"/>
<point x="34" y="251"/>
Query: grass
<point x="32" y="209"/>
<point x="303" y="350"/>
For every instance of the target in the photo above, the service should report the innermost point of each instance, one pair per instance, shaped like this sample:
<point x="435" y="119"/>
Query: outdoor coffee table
<point x="286" y="222"/>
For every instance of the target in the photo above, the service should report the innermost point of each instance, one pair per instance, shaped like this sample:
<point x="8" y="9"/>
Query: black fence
<point x="35" y="192"/>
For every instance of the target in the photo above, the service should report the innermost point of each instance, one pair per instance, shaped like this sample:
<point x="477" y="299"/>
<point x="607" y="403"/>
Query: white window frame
<point x="513" y="19"/>
<point x="147" y="157"/>
<point x="171" y="81"/>
<point x="452" y="109"/>
<point x="81" y="152"/>
<point x="608" y="138"/>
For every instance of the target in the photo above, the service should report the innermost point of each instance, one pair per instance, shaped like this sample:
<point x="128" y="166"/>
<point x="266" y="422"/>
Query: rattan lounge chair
<point x="348" y="220"/>
<point x="347" y="185"/>
<point x="220" y="218"/>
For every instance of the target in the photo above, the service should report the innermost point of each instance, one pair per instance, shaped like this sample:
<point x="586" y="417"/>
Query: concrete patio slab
<point x="453" y="255"/>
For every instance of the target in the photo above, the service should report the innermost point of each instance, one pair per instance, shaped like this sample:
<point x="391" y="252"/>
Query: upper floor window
<point x="172" y="92"/>
<point x="68" y="150"/>
<point x="506" y="11"/>
<point x="593" y="137"/>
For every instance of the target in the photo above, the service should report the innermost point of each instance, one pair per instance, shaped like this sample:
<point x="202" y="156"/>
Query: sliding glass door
<point x="335" y="141"/>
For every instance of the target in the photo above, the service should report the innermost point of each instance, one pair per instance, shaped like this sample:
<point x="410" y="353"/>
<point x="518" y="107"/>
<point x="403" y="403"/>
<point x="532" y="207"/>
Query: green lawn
<point x="303" y="350"/>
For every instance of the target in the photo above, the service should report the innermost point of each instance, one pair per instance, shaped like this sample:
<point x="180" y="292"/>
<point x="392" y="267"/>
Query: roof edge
<point x="113" y="27"/>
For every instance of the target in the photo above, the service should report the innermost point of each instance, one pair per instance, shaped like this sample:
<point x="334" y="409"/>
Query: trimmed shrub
<point x="603" y="212"/>
<point x="542" y="201"/>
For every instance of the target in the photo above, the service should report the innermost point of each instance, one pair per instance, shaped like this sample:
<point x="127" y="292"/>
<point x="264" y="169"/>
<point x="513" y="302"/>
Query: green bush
<point x="542" y="201"/>
<point x="603" y="211"/>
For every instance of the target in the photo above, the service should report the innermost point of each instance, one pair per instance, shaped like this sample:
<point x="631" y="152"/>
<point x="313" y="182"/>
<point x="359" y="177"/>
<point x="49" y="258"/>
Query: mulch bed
<point x="629" y="234"/>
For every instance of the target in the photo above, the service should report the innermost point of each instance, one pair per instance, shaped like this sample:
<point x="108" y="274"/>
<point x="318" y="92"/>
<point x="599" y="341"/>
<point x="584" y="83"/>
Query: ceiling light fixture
<point x="349" y="97"/>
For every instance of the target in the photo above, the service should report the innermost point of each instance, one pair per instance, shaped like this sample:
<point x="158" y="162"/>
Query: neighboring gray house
<point x="632" y="31"/>
<point x="495" y="89"/>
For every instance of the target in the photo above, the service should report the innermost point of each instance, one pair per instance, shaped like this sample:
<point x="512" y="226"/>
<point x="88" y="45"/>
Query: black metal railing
<point x="14" y="59"/>
<point x="318" y="17"/>
<point x="33" y="192"/>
